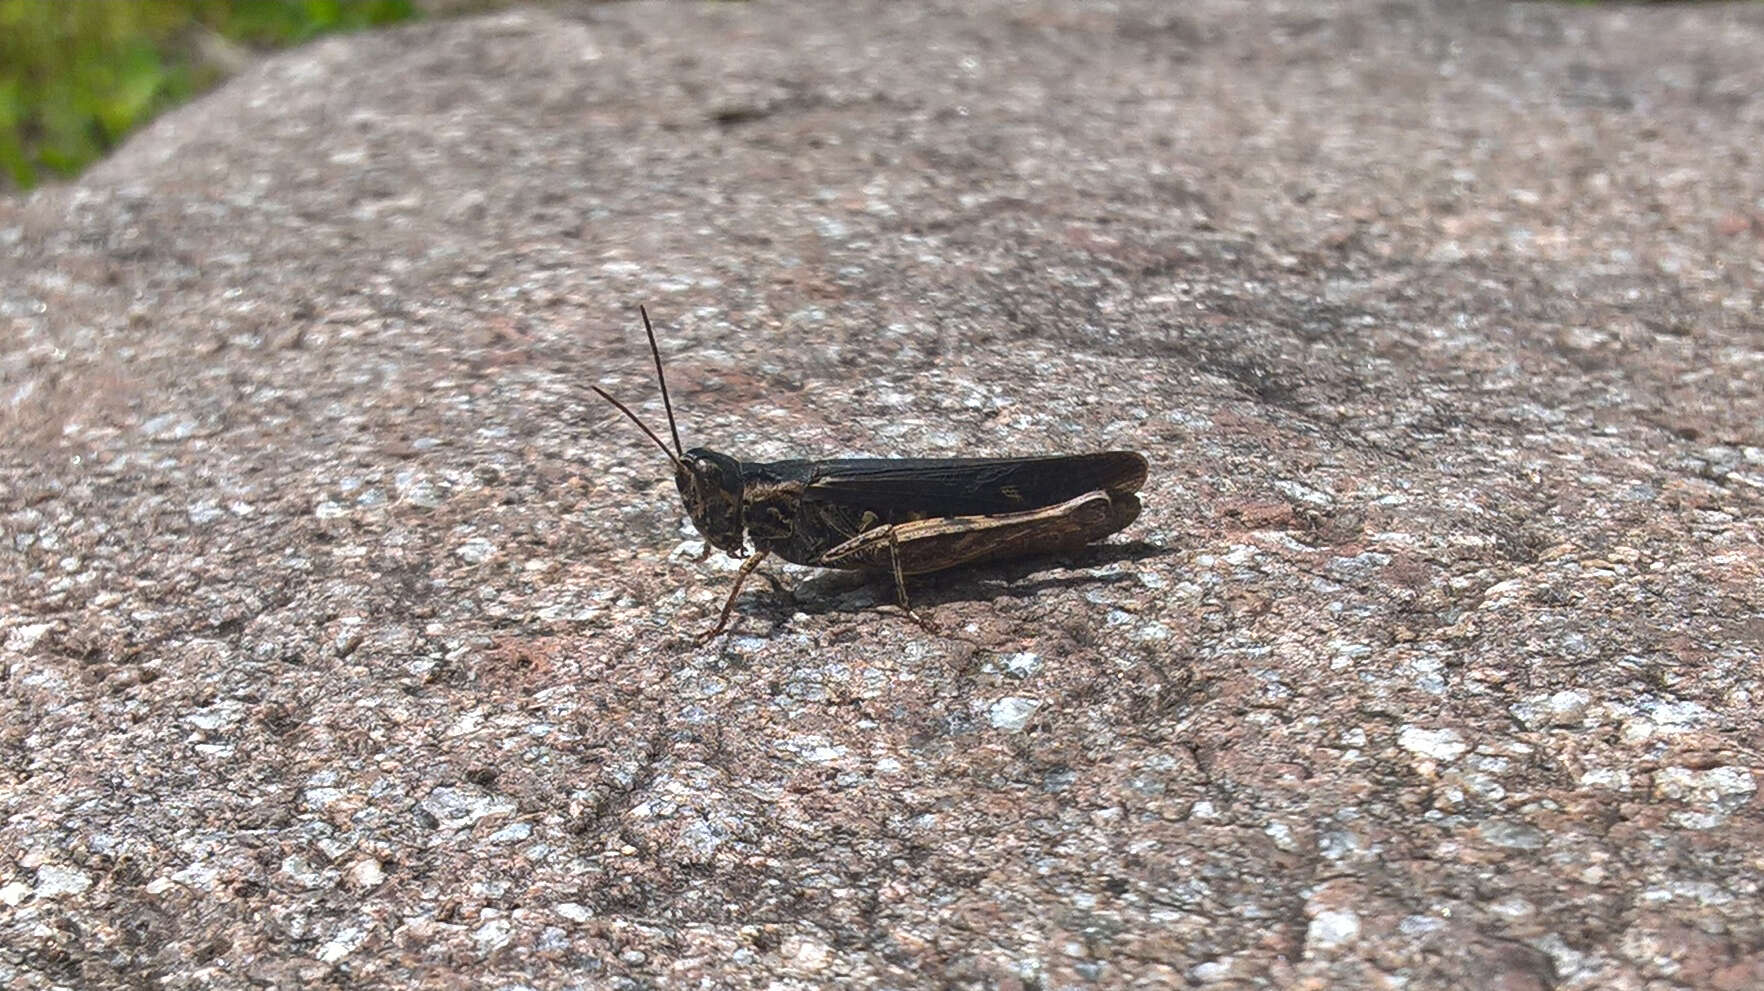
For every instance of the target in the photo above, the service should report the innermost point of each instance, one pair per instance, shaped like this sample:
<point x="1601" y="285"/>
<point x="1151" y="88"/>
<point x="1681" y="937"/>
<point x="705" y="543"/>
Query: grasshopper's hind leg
<point x="922" y="546"/>
<point x="943" y="542"/>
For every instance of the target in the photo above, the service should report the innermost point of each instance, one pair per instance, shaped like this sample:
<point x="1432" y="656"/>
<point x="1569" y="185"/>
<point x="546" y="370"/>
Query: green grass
<point x="76" y="76"/>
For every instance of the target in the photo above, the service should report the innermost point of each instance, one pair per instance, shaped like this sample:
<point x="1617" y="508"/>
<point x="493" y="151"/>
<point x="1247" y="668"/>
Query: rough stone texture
<point x="343" y="625"/>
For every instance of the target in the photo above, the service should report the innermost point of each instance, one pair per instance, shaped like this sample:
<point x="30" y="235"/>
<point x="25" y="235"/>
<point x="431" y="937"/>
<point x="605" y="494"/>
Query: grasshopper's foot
<point x="722" y="624"/>
<point x="919" y="618"/>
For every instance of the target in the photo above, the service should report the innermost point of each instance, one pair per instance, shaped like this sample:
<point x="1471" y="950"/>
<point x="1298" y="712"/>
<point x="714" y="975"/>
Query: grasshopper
<point x="907" y="516"/>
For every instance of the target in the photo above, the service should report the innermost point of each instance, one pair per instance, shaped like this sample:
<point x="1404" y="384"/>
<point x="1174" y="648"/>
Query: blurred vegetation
<point x="76" y="76"/>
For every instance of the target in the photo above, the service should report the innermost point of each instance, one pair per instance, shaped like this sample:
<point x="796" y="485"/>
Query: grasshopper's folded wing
<point x="909" y="488"/>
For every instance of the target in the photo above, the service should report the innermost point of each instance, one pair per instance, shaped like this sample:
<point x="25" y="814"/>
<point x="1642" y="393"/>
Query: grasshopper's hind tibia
<point x="900" y="578"/>
<point x="950" y="541"/>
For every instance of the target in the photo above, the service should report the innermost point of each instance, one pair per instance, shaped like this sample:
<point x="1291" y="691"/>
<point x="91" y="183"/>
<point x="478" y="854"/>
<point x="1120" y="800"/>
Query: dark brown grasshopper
<point x="905" y="515"/>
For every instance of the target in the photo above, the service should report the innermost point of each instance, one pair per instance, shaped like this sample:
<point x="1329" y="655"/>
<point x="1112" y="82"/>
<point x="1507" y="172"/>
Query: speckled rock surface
<point x="343" y="626"/>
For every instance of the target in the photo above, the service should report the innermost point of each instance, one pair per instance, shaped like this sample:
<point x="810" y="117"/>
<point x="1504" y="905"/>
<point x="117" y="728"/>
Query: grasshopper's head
<point x="710" y="486"/>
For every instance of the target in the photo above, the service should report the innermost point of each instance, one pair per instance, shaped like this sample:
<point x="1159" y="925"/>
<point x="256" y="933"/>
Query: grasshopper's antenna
<point x="640" y="426"/>
<point x="663" y="379"/>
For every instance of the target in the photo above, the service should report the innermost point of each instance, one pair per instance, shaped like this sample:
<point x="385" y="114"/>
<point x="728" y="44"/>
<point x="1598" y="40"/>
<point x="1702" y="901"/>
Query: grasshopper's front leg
<point x="768" y="513"/>
<point x="729" y="603"/>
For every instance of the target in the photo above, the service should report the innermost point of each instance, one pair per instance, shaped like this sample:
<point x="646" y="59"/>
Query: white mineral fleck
<point x="459" y="807"/>
<point x="1439" y="744"/>
<point x="342" y="944"/>
<point x="366" y="873"/>
<point x="55" y="880"/>
<point x="475" y="551"/>
<point x="1012" y="713"/>
<point x="1331" y="929"/>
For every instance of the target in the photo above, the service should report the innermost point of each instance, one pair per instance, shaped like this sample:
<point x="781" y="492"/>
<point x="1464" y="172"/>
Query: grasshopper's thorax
<point x="710" y="486"/>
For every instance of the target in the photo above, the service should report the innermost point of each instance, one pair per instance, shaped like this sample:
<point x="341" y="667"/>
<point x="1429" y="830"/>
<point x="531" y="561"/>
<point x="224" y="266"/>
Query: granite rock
<point x="344" y="631"/>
